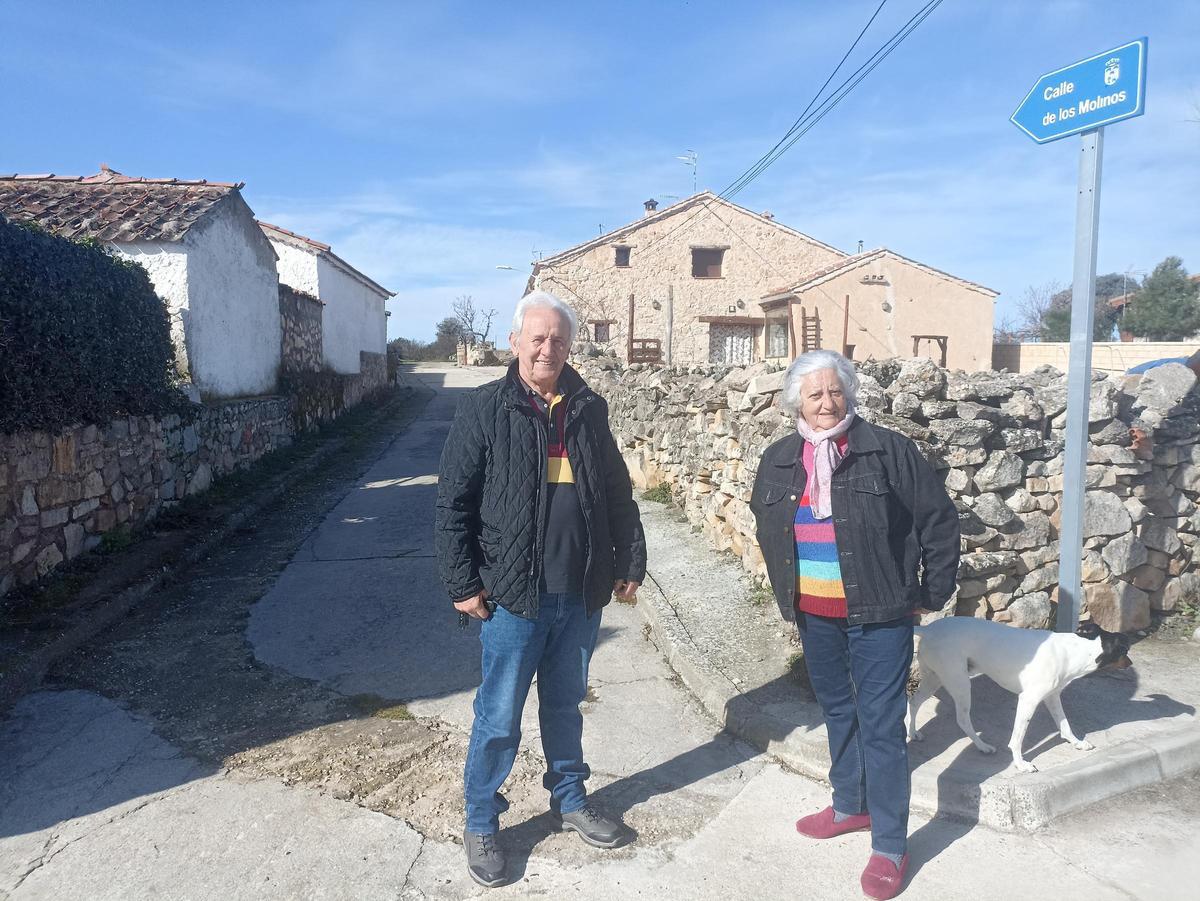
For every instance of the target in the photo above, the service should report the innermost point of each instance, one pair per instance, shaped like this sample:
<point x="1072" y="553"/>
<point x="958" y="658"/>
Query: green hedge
<point x="83" y="336"/>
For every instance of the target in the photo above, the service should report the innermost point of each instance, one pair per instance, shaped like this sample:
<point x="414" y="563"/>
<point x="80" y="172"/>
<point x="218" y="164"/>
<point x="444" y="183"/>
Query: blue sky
<point x="431" y="142"/>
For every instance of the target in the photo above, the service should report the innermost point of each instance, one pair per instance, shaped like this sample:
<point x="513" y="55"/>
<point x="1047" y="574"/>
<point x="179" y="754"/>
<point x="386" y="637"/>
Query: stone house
<point x="354" y="318"/>
<point x="692" y="274"/>
<point x="880" y="305"/>
<point x="206" y="257"/>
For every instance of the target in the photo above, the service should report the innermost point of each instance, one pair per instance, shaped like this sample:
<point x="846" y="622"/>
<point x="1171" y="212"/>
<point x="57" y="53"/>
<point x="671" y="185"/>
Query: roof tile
<point x="109" y="206"/>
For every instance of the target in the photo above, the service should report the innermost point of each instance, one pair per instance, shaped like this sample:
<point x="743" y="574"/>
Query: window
<point x="706" y="262"/>
<point x="777" y="338"/>
<point x="622" y="258"/>
<point x="602" y="332"/>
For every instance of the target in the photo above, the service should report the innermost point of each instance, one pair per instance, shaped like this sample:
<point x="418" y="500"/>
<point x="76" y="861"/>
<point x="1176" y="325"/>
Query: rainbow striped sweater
<point x="819" y="588"/>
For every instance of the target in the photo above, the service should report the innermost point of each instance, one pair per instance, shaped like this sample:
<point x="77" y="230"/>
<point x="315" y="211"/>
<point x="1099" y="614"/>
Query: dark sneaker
<point x="593" y="828"/>
<point x="485" y="862"/>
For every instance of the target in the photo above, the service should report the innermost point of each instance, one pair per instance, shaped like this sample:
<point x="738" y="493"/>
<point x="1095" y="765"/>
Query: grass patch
<point x="116" y="540"/>
<point x="660" y="494"/>
<point x="761" y="596"/>
<point x="383" y="708"/>
<point x="798" y="670"/>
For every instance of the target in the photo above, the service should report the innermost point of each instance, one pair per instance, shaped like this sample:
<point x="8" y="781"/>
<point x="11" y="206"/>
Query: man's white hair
<point x="815" y="361"/>
<point x="548" y="301"/>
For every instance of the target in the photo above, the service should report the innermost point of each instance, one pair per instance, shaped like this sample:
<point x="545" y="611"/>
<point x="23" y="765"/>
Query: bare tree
<point x="475" y="325"/>
<point x="1032" y="308"/>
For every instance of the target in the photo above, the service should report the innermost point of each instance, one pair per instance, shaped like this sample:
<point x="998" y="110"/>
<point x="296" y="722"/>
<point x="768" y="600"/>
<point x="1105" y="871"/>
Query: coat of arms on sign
<point x="1112" y="71"/>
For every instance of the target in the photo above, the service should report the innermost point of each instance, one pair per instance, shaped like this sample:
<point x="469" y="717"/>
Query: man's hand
<point x="625" y="590"/>
<point x="474" y="606"/>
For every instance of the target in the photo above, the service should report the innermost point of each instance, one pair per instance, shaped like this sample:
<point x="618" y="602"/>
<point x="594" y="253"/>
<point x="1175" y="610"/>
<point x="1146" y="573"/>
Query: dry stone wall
<point x="60" y="492"/>
<point x="996" y="439"/>
<point x="300" y="316"/>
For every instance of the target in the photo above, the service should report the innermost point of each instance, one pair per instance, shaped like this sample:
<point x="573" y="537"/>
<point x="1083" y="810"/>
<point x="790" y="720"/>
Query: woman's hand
<point x="625" y="590"/>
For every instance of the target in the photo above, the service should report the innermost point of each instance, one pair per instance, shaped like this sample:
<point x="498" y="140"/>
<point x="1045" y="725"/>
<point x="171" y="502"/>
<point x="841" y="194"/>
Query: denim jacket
<point x="896" y="528"/>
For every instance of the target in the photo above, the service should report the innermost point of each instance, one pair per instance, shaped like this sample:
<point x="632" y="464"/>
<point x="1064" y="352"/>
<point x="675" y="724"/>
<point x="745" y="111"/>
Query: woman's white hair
<point x="815" y="361"/>
<point x="548" y="301"/>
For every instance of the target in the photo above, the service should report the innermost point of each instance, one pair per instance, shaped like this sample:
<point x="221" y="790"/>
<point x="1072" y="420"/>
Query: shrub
<point x="83" y="336"/>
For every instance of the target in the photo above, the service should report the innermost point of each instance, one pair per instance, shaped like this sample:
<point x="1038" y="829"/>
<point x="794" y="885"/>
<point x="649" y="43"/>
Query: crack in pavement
<point x="691" y="638"/>
<point x="1083" y="869"/>
<point x="408" y="873"/>
<point x="43" y="860"/>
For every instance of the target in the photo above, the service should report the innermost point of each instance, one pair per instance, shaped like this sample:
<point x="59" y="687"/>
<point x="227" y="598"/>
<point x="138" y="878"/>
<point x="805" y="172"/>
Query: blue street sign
<point x="1096" y="91"/>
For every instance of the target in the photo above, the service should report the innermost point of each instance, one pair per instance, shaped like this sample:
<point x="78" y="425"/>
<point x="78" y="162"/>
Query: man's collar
<point x="569" y="381"/>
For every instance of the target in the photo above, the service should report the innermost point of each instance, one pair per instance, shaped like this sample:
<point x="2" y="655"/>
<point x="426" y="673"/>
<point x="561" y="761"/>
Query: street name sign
<point x="1082" y="98"/>
<point x="1093" y="92"/>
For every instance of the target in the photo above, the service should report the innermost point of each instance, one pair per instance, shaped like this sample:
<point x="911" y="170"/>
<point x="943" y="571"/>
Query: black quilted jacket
<point x="490" y="523"/>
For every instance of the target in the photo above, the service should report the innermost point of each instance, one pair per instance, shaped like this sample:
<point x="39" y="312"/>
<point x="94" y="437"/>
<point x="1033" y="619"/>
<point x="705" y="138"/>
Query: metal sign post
<point x="1082" y="98"/>
<point x="1079" y="381"/>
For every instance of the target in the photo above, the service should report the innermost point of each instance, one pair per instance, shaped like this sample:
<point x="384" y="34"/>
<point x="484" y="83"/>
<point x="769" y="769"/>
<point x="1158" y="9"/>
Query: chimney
<point x="651" y="205"/>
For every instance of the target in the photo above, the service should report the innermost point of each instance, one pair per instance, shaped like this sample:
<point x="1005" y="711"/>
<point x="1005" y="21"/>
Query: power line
<point x="803" y="124"/>
<point x="810" y="118"/>
<point x="846" y="87"/>
<point x="821" y="90"/>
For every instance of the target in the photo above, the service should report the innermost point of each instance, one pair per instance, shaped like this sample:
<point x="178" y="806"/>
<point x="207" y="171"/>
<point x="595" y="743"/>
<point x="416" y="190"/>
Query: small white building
<point x="354" y="316"/>
<point x="205" y="254"/>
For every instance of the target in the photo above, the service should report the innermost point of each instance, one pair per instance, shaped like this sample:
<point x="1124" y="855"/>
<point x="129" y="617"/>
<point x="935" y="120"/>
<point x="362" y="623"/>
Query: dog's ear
<point x="1114" y="650"/>
<point x="1088" y="630"/>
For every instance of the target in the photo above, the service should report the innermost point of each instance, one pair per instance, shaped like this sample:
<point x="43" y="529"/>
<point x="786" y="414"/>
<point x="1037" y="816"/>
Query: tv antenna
<point x="690" y="158"/>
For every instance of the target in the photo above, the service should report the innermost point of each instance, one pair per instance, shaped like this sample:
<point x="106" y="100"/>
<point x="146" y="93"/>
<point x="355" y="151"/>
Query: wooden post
<point x="846" y="326"/>
<point x="792" y="345"/>
<point x="629" y="336"/>
<point x="670" y="318"/>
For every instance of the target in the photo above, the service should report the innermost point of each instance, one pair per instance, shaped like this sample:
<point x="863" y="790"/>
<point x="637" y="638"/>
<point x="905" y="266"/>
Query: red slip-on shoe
<point x="821" y="825"/>
<point x="881" y="880"/>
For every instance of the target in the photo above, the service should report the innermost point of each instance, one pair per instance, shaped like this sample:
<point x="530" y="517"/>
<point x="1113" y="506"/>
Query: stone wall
<point x="300" y="317"/>
<point x="59" y="493"/>
<point x="996" y="440"/>
<point x="372" y="376"/>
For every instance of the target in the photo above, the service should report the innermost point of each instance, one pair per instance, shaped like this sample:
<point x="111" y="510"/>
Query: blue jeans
<point x="859" y="674"/>
<point x="557" y="646"/>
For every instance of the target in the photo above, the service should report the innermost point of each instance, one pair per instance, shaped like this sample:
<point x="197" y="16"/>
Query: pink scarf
<point x="826" y="457"/>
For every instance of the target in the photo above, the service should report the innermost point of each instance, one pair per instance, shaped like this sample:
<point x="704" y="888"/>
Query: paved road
<point x="100" y="797"/>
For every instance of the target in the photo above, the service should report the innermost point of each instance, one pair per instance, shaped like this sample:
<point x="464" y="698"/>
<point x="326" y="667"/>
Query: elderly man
<point x="536" y="530"/>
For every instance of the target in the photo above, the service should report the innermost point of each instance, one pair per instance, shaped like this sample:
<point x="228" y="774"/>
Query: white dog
<point x="1033" y="664"/>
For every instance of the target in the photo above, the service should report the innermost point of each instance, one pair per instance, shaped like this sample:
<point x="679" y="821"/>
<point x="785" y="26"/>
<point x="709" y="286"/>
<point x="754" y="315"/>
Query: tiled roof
<point x="277" y="233"/>
<point x="813" y="278"/>
<point x="109" y="206"/>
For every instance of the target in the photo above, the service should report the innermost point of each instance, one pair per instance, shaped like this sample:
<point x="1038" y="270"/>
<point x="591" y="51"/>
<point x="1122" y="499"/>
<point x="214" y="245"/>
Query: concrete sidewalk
<point x="732" y="650"/>
<point x="292" y="723"/>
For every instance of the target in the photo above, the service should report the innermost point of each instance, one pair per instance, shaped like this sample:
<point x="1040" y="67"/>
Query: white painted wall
<point x="233" y="326"/>
<point x="297" y="267"/>
<point x="354" y="317"/>
<point x="167" y="265"/>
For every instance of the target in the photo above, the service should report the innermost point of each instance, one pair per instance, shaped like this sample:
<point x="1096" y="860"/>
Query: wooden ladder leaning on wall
<point x="810" y="330"/>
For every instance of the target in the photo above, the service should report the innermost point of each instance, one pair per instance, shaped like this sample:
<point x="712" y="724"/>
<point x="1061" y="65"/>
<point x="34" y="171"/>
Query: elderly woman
<point x="858" y="536"/>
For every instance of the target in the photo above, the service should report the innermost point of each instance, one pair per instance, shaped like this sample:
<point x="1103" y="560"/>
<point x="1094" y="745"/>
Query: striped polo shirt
<point x="564" y="553"/>
<point x="819" y="588"/>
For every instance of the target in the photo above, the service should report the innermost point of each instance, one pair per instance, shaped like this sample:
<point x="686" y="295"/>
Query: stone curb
<point x="1008" y="802"/>
<point x="28" y="673"/>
